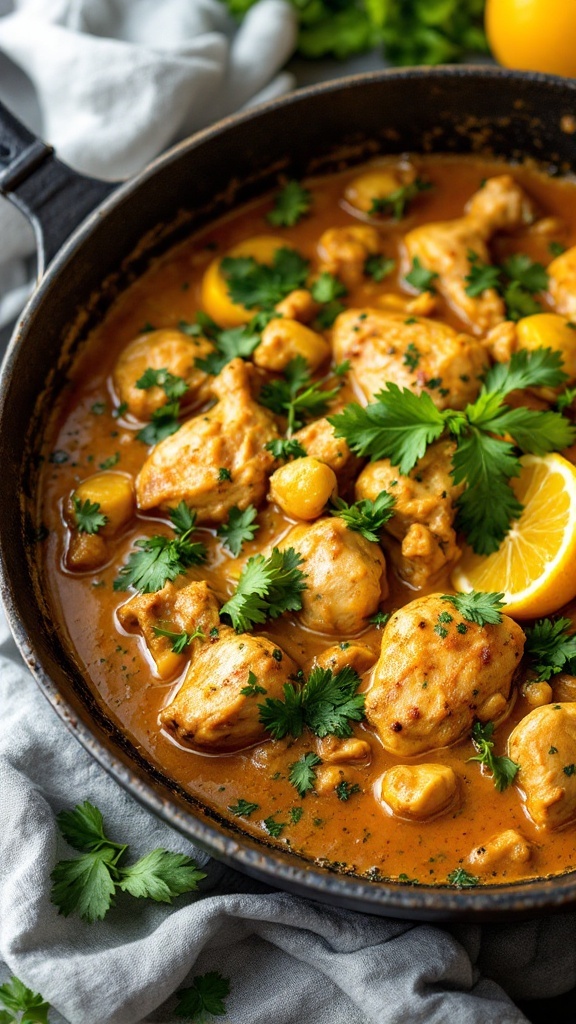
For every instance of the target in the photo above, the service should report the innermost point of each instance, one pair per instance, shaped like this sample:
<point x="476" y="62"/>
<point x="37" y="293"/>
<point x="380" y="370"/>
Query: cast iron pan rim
<point x="434" y="901"/>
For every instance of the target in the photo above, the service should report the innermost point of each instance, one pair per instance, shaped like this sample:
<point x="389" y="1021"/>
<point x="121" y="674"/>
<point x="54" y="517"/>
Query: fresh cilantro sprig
<point x="295" y="396"/>
<point x="87" y="885"/>
<point x="478" y="606"/>
<point x="326" y="704"/>
<point x="240" y="528"/>
<point x="159" y="558"/>
<point x="462" y="879"/>
<point x="18" y="999"/>
<point x="164" y="421"/>
<point x="302" y="773"/>
<point x="267" y="587"/>
<point x="286" y="448"/>
<point x="366" y="516"/>
<point x="207" y="994"/>
<point x="400" y="425"/>
<point x="327" y="287"/>
<point x="551" y="647"/>
<point x="502" y="768"/>
<point x="565" y="400"/>
<point x="344" y="790"/>
<point x="253" y="284"/>
<point x="420" y="278"/>
<point x="481" y="276"/>
<point x="395" y="204"/>
<point x="88" y="517"/>
<point x="180" y="641"/>
<point x="229" y="343"/>
<point x="252" y="688"/>
<point x="243" y="808"/>
<point x="378" y="267"/>
<point x="290" y="205"/>
<point x="517" y="280"/>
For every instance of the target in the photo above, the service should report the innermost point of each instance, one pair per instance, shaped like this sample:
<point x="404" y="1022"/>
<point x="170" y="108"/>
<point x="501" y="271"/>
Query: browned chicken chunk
<point x="319" y="441"/>
<point x="544" y="745"/>
<point x="344" y="251"/>
<point x="160" y="350"/>
<point x="216" y="460"/>
<point x="436" y="675"/>
<point x="419" y="791"/>
<point x="415" y="353"/>
<point x="210" y="712"/>
<point x="562" y="282"/>
<point x="508" y="852"/>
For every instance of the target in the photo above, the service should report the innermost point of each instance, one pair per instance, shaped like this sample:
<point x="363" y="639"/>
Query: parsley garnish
<point x="565" y="400"/>
<point x="290" y="205"/>
<point x="516" y="281"/>
<point x="502" y="768"/>
<point x="230" y="343"/>
<point x="296" y="814"/>
<point x="462" y="879"/>
<point x="551" y="647"/>
<point x="224" y="474"/>
<point x="87" y="885"/>
<point x="379" y="619"/>
<point x="396" y="202"/>
<point x="240" y="528"/>
<point x="160" y="559"/>
<point x="295" y="396"/>
<point x="274" y="828"/>
<point x="243" y="809"/>
<point x="328" y="314"/>
<point x="302" y="774"/>
<point x="400" y="425"/>
<point x="206" y="995"/>
<point x="252" y="688"/>
<point x="481" y="276"/>
<point x="88" y="517"/>
<point x="286" y="448"/>
<point x="17" y="998"/>
<point x="111" y="461"/>
<point x="569" y="769"/>
<point x="344" y="790"/>
<point x="378" y="267"/>
<point x="529" y="275"/>
<point x="325" y="704"/>
<point x="556" y="248"/>
<point x="327" y="287"/>
<point x="412" y="356"/>
<point x="366" y="516"/>
<point x="420" y="278"/>
<point x="173" y="387"/>
<point x="254" y="284"/>
<point x="267" y="587"/>
<point x="477" y="606"/>
<point x="180" y="641"/>
<point x="164" y="421"/>
<point x="341" y="369"/>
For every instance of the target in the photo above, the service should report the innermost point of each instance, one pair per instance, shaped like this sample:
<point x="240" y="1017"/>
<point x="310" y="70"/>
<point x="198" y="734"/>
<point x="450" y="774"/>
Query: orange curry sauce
<point x="358" y="834"/>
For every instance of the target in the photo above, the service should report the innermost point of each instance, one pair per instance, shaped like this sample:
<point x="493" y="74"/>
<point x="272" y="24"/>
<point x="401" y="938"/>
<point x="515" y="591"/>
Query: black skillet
<point x="456" y="109"/>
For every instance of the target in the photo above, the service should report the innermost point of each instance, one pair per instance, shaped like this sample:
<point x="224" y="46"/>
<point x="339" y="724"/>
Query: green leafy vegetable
<point x="240" y="528"/>
<point x="395" y="203"/>
<point x="160" y="559"/>
<point x="481" y="276"/>
<point x="517" y="280"/>
<point x="87" y="885"/>
<point x="462" y="879"/>
<point x="420" y="278"/>
<point x="230" y="343"/>
<point x="252" y="687"/>
<point x="290" y="205"/>
<point x="267" y="587"/>
<point x="207" y="994"/>
<point x="327" y="287"/>
<point x="503" y="769"/>
<point x="379" y="619"/>
<point x="325" y="704"/>
<point x="302" y="774"/>
<point x="295" y="396"/>
<point x="566" y="399"/>
<point x="529" y="275"/>
<point x="366" y="516"/>
<point x="328" y="314"/>
<point x="482" y="608"/>
<point x="243" y="809"/>
<point x="556" y="249"/>
<point x="286" y="448"/>
<point x="18" y="999"/>
<point x="254" y="284"/>
<point x="344" y="790"/>
<point x="551" y="647"/>
<point x="88" y="517"/>
<point x="274" y="828"/>
<point x="180" y="641"/>
<point x="173" y="387"/>
<point x="379" y="267"/>
<point x="164" y="421"/>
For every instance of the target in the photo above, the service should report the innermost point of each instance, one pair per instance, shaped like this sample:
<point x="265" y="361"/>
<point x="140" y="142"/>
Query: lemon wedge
<point x="535" y="566"/>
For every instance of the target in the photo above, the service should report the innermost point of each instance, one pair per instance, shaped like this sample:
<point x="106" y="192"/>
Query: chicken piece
<point x="346" y="576"/>
<point x="419" y="354"/>
<point x="419" y="791"/>
<point x="504" y="853"/>
<point x="562" y="282"/>
<point x="354" y="655"/>
<point x="424" y="304"/>
<point x="178" y="609"/>
<point x="319" y="441"/>
<point x="424" y="512"/>
<point x="351" y="751"/>
<point x="330" y="776"/>
<point x="437" y="673"/>
<point x="160" y="350"/>
<point x="344" y="251"/>
<point x="298" y="305"/>
<point x="444" y="248"/>
<point x="231" y="436"/>
<point x="544" y="745"/>
<point x="210" y="712"/>
<point x="284" y="340"/>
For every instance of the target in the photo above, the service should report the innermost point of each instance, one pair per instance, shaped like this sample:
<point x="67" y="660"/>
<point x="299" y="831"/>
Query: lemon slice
<point x="535" y="566"/>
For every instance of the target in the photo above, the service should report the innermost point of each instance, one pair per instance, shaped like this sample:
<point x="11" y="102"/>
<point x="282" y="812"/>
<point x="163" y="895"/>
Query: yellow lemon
<point x="535" y="566"/>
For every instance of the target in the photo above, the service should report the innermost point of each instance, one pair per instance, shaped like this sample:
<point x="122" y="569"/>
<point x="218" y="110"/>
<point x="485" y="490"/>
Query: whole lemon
<point x="533" y="35"/>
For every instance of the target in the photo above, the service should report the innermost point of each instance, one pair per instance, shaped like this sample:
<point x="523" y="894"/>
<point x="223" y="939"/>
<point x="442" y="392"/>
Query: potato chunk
<point x="419" y="791"/>
<point x="283" y="340"/>
<point x="303" y="488"/>
<point x="544" y="745"/>
<point x="436" y="675"/>
<point x="344" y="251"/>
<point x="346" y="576"/>
<point x="210" y="712"/>
<point x="113" y="493"/>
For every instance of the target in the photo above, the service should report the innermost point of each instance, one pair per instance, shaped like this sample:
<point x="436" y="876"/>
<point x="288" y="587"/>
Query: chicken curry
<point x="280" y="462"/>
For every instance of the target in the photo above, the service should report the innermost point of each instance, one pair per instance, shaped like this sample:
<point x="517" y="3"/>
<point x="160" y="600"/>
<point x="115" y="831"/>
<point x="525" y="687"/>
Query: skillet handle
<point x="53" y="197"/>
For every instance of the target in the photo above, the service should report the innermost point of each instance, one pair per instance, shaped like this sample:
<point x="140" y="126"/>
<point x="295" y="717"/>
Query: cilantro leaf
<point x="274" y="828"/>
<point x="566" y="399"/>
<point x="86" y="886"/>
<point x="83" y="829"/>
<point x="183" y="519"/>
<point x="302" y="774"/>
<point x="88" y="517"/>
<point x="286" y="448"/>
<point x="253" y="284"/>
<point x="344" y="790"/>
<point x="327" y="287"/>
<point x="160" y="875"/>
<point x="476" y="606"/>
<point x="173" y="387"/>
<point x="366" y="516"/>
<point x="542" y="367"/>
<point x="295" y="396"/>
<point x="290" y="205"/>
<point x="551" y="647"/>
<point x="19" y="999"/>
<point x="378" y="267"/>
<point x="243" y="809"/>
<point x="328" y="314"/>
<point x="503" y="769"/>
<point x="326" y="704"/>
<point x="252" y="688"/>
<point x="164" y="421"/>
<point x="529" y="275"/>
<point x="481" y="276"/>
<point x="488" y="504"/>
<point x="207" y="994"/>
<point x="519" y="302"/>
<point x="267" y="587"/>
<point x="160" y="559"/>
<point x="240" y="527"/>
<point x="420" y="278"/>
<point x="230" y="343"/>
<point x="462" y="879"/>
<point x="396" y="202"/>
<point x="556" y="249"/>
<point x="180" y="640"/>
